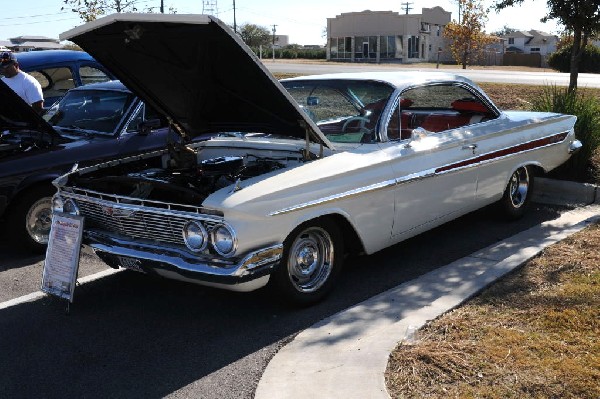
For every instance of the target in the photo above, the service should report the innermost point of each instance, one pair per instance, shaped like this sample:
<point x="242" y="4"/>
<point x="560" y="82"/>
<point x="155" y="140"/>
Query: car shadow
<point x="13" y="256"/>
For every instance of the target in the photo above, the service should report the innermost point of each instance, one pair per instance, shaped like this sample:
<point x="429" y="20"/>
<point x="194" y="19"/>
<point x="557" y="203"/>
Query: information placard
<point x="62" y="255"/>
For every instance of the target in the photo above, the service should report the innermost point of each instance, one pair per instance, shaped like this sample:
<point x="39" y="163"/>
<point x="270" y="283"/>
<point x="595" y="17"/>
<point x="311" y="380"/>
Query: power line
<point x="39" y="22"/>
<point x="36" y="16"/>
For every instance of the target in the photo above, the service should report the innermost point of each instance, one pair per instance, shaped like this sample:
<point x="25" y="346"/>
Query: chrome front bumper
<point x="245" y="274"/>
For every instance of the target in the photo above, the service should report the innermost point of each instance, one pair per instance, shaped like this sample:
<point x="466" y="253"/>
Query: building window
<point x="365" y="47"/>
<point x="390" y="47"/>
<point x="535" y="50"/>
<point x="439" y="30"/>
<point x="425" y="27"/>
<point x="340" y="47"/>
<point x="333" y="49"/>
<point x="413" y="47"/>
<point x="511" y="40"/>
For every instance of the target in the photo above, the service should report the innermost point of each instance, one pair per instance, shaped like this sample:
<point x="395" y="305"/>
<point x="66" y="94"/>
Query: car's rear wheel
<point x="517" y="195"/>
<point x="312" y="260"/>
<point x="31" y="219"/>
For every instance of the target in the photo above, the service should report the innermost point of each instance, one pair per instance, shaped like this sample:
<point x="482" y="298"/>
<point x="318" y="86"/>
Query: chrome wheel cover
<point x="518" y="187"/>
<point x="310" y="259"/>
<point x="39" y="219"/>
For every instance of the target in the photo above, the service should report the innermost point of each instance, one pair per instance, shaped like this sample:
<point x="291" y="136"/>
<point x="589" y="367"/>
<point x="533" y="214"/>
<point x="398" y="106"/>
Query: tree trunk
<point x="576" y="53"/>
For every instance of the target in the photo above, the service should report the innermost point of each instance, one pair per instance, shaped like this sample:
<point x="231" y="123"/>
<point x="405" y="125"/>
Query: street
<point x="541" y="77"/>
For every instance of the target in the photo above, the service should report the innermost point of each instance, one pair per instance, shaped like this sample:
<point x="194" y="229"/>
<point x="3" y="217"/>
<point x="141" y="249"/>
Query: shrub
<point x="292" y="53"/>
<point x="580" y="167"/>
<point x="590" y="60"/>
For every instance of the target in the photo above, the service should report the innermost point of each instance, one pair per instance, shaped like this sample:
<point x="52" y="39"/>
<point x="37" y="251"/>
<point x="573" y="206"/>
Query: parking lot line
<point x="34" y="296"/>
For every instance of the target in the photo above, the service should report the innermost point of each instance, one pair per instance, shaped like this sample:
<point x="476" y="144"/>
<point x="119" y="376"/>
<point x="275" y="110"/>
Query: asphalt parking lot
<point x="128" y="335"/>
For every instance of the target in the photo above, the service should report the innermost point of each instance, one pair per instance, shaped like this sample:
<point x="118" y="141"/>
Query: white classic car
<point x="285" y="178"/>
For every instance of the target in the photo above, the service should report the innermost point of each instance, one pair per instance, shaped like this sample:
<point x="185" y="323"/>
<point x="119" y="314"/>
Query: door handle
<point x="471" y="147"/>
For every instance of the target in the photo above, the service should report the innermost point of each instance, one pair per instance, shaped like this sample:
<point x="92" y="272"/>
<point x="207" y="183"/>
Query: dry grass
<point x="534" y="334"/>
<point x="512" y="96"/>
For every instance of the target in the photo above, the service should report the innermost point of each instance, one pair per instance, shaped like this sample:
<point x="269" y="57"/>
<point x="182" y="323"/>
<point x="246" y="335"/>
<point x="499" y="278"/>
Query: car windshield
<point x="90" y="111"/>
<point x="345" y="110"/>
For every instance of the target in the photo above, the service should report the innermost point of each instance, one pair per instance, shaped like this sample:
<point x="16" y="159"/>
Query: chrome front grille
<point x="136" y="221"/>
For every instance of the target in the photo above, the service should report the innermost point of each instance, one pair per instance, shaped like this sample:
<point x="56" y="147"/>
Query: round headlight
<point x="223" y="240"/>
<point x="195" y="236"/>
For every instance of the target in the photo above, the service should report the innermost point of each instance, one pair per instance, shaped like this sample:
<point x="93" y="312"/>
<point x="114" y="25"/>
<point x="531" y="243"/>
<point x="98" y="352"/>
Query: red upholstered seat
<point x="469" y="106"/>
<point x="438" y="123"/>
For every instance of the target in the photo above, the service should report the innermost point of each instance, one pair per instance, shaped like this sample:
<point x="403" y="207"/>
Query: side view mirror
<point x="147" y="126"/>
<point x="416" y="134"/>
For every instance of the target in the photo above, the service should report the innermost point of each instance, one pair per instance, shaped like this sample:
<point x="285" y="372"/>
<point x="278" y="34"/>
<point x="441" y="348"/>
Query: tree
<point x="255" y="35"/>
<point x="506" y="30"/>
<point x="468" y="37"/>
<point x="89" y="10"/>
<point x="579" y="17"/>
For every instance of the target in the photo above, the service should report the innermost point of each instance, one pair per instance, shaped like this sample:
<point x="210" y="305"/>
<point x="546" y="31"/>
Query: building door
<point x="413" y="47"/>
<point x="365" y="49"/>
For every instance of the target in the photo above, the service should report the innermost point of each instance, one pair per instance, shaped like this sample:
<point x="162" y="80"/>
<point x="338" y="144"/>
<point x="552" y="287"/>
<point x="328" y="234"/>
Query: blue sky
<point x="303" y="21"/>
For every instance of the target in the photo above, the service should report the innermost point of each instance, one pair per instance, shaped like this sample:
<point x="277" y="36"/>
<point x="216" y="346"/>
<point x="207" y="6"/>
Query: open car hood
<point x="16" y="114"/>
<point x="196" y="71"/>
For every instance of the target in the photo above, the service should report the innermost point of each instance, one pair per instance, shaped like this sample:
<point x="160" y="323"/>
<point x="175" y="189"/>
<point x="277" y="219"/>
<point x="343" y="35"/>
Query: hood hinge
<point x="308" y="132"/>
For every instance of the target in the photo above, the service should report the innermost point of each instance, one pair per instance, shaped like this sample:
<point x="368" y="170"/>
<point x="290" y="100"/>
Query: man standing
<point x="25" y="85"/>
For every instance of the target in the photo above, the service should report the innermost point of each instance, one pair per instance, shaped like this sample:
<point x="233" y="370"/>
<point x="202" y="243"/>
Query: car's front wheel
<point x="31" y="218"/>
<point x="517" y="195"/>
<point x="312" y="260"/>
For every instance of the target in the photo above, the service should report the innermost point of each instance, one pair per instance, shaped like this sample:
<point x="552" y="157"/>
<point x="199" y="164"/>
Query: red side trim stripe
<point x="557" y="138"/>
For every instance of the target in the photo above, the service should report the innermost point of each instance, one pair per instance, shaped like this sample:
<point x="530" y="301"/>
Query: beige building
<point x="386" y="36"/>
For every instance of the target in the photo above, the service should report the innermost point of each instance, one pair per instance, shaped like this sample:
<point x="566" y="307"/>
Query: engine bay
<point x="182" y="176"/>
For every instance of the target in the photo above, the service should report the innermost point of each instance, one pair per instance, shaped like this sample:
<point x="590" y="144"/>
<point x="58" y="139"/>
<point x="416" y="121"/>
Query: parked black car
<point x="92" y="122"/>
<point x="61" y="70"/>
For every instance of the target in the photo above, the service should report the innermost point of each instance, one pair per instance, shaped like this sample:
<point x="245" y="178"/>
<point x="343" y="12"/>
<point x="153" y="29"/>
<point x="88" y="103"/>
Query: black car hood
<point x="196" y="71"/>
<point x="16" y="114"/>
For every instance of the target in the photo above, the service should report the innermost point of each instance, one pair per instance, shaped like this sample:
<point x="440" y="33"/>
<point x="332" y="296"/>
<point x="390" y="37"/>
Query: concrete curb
<point x="345" y="355"/>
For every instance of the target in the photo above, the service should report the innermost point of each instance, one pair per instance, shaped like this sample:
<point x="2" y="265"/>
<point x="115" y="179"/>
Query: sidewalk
<point x="345" y="355"/>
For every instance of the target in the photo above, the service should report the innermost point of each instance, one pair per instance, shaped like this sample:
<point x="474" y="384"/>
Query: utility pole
<point x="407" y="6"/>
<point x="273" y="47"/>
<point x="162" y="6"/>
<point x="234" y="24"/>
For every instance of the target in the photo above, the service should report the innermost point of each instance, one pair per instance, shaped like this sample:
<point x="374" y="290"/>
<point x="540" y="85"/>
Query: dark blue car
<point x="61" y="70"/>
<point x="91" y="122"/>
